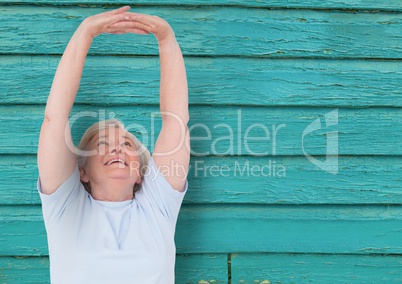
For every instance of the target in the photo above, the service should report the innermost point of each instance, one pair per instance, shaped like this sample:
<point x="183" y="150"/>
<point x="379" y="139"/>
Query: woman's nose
<point x="115" y="149"/>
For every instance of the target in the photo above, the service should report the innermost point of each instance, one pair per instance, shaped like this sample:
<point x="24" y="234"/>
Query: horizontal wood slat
<point x="227" y="229"/>
<point x="190" y="268"/>
<point x="215" y="81"/>
<point x="286" y="229"/>
<point x="246" y="268"/>
<point x="393" y="5"/>
<point x="201" y="268"/>
<point x="252" y="180"/>
<point x="24" y="270"/>
<point x="204" y="31"/>
<point x="306" y="268"/>
<point x="230" y="131"/>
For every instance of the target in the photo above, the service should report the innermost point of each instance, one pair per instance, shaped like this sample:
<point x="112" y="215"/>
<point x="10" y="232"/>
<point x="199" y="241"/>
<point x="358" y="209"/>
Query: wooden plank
<point x="360" y="180"/>
<point x="216" y="81"/>
<point x="201" y="268"/>
<point x="190" y="268"/>
<point x="251" y="229"/>
<point x="246" y="268"/>
<point x="393" y="5"/>
<point x="307" y="268"/>
<point x="205" y="30"/>
<point x="21" y="173"/>
<point x="290" y="229"/>
<point x="24" y="270"/>
<point x="22" y="231"/>
<point x="230" y="131"/>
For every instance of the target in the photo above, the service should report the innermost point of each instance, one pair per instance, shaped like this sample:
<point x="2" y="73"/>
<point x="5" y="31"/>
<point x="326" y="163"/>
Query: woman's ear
<point x="83" y="175"/>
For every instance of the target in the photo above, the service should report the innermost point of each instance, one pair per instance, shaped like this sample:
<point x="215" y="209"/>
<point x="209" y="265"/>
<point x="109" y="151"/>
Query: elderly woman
<point x="110" y="211"/>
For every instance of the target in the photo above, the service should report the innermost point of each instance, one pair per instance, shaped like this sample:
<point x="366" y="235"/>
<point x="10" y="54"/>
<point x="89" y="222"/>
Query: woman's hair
<point x="143" y="153"/>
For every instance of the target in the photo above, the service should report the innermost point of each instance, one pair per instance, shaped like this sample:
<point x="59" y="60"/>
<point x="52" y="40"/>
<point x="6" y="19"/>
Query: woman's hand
<point x="101" y="23"/>
<point x="144" y="24"/>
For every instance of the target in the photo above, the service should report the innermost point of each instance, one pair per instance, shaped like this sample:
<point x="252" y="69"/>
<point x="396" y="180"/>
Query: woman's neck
<point x="114" y="190"/>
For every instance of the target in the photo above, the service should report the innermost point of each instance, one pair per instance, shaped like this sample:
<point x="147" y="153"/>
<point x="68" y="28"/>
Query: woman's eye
<point x="127" y="144"/>
<point x="102" y="143"/>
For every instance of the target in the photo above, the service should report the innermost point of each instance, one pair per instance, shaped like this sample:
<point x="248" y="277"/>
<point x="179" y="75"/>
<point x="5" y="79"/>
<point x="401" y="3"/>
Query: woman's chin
<point x="118" y="173"/>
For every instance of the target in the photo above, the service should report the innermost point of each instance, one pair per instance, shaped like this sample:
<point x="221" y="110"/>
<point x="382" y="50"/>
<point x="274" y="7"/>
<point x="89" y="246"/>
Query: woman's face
<point x="116" y="158"/>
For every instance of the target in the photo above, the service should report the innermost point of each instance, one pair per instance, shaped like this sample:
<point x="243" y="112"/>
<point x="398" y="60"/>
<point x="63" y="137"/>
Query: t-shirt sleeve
<point x="157" y="191"/>
<point x="55" y="204"/>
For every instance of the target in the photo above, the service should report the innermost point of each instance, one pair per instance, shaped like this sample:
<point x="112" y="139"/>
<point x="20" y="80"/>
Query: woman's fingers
<point x="126" y="27"/>
<point x="121" y="21"/>
<point x="110" y="20"/>
<point x="148" y="20"/>
<point x="119" y="10"/>
<point x="130" y="25"/>
<point x="152" y="24"/>
<point x="125" y="31"/>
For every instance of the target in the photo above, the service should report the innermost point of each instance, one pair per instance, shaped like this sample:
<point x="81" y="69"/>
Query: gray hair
<point x="144" y="155"/>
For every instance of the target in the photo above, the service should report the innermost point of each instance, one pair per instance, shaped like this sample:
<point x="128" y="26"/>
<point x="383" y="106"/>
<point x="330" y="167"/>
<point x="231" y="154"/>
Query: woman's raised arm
<point x="56" y="161"/>
<point x="172" y="150"/>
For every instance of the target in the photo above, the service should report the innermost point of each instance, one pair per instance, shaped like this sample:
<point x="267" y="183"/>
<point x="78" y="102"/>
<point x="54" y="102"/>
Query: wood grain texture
<point x="393" y="5"/>
<point x="249" y="180"/>
<point x="190" y="268"/>
<point x="205" y="30"/>
<point x="24" y="270"/>
<point x="213" y="81"/>
<point x="247" y="268"/>
<point x="201" y="268"/>
<point x="287" y="229"/>
<point x="243" y="228"/>
<point x="318" y="268"/>
<point x="228" y="131"/>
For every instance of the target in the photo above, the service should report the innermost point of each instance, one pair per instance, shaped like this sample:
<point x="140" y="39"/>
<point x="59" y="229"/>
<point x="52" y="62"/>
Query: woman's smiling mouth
<point x="115" y="161"/>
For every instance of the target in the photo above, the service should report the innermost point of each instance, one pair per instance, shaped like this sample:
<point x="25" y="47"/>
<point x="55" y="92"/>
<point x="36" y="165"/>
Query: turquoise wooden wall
<point x="260" y="73"/>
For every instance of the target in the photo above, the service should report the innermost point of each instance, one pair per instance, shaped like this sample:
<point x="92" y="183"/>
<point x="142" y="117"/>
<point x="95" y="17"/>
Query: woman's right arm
<point x="56" y="162"/>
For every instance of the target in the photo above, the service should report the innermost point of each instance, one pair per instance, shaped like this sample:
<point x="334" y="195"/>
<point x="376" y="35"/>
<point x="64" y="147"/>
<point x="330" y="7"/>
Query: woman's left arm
<point x="172" y="148"/>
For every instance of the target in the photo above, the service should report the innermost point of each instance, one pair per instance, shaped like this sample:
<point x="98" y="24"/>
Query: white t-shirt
<point x="99" y="242"/>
